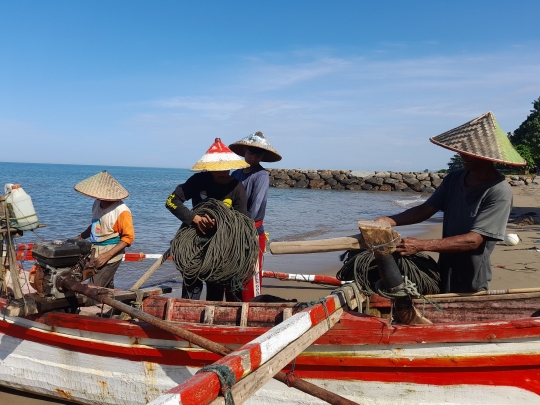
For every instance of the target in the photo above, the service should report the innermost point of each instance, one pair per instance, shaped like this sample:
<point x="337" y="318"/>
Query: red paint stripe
<point x="255" y="354"/>
<point x="202" y="389"/>
<point x="525" y="378"/>
<point x="316" y="280"/>
<point x="514" y="370"/>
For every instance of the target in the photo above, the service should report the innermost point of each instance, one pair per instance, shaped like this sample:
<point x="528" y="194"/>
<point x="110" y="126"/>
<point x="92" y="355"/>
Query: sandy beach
<point x="513" y="266"/>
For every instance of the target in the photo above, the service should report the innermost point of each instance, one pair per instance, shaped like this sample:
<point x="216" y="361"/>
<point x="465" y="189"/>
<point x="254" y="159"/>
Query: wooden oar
<point x="151" y="270"/>
<point x="102" y="295"/>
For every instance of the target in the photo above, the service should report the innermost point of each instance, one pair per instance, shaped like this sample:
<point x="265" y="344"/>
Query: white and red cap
<point x="219" y="158"/>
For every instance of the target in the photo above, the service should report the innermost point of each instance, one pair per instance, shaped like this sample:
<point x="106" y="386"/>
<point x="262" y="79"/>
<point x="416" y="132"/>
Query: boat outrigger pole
<point x="102" y="295"/>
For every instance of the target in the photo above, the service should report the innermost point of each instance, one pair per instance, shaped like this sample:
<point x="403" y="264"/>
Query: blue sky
<point x="336" y="85"/>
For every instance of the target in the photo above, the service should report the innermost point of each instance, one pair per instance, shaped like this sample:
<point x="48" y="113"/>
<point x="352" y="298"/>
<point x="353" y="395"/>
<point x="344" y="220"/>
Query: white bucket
<point x="20" y="208"/>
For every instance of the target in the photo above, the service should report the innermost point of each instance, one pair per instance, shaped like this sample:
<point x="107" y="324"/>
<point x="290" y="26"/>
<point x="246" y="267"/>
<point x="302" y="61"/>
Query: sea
<point x="292" y="214"/>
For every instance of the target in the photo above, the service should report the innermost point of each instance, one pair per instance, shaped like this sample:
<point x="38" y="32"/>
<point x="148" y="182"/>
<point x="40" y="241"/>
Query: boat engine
<point x="54" y="259"/>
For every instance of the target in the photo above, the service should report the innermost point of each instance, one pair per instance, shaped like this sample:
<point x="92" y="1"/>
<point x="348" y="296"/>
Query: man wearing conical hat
<point x="111" y="230"/>
<point x="214" y="182"/>
<point x="476" y="202"/>
<point x="255" y="149"/>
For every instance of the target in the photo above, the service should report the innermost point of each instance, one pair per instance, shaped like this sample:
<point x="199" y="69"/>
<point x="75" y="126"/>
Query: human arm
<point x="85" y="234"/>
<point x="411" y="216"/>
<point x="103" y="258"/>
<point x="451" y="244"/>
<point x="175" y="204"/>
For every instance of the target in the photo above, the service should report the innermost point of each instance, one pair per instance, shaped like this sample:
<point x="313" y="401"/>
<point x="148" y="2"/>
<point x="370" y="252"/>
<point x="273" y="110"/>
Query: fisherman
<point x="255" y="149"/>
<point x="111" y="230"/>
<point x="214" y="182"/>
<point x="476" y="202"/>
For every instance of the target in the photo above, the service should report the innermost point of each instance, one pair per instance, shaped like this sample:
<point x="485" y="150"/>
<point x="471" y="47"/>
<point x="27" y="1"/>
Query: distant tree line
<point x="526" y="140"/>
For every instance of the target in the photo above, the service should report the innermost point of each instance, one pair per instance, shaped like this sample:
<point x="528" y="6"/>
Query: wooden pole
<point x="317" y="246"/>
<point x="489" y="292"/>
<point x="102" y="295"/>
<point x="151" y="270"/>
<point x="12" y="258"/>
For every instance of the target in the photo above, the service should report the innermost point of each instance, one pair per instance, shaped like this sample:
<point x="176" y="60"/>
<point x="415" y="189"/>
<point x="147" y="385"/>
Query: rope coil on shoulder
<point x="226" y="379"/>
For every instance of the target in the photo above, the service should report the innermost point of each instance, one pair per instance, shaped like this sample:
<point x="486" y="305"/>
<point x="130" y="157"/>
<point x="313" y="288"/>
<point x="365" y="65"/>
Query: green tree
<point x="527" y="136"/>
<point x="456" y="163"/>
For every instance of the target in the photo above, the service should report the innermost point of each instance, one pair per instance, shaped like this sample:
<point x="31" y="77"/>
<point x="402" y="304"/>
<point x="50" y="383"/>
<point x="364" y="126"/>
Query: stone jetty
<point x="416" y="182"/>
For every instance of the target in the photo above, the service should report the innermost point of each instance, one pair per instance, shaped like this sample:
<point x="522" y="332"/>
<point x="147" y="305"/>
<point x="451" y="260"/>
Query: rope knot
<point x="226" y="379"/>
<point x="290" y="379"/>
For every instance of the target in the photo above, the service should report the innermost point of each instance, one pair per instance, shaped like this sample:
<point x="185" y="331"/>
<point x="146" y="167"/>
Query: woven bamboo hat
<point x="257" y="140"/>
<point x="102" y="186"/>
<point x="482" y="138"/>
<point x="218" y="158"/>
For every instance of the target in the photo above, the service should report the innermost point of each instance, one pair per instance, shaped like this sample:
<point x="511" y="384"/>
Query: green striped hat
<point x="482" y="138"/>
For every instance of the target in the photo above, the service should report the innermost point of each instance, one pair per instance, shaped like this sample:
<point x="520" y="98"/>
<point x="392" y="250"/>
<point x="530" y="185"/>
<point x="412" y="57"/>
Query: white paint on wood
<point x="244" y="314"/>
<point x="85" y="378"/>
<point x="274" y="340"/>
<point x="287" y="313"/>
<point x="376" y="393"/>
<point x="209" y="314"/>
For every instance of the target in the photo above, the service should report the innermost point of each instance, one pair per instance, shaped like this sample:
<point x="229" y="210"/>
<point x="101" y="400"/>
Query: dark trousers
<point x="214" y="292"/>
<point x="104" y="276"/>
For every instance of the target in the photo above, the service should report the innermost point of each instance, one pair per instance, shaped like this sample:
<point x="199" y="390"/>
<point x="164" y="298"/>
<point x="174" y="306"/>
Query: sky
<point x="333" y="85"/>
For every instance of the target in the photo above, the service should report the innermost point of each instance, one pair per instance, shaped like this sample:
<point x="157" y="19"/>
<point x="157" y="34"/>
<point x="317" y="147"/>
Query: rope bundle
<point x="420" y="269"/>
<point x="227" y="257"/>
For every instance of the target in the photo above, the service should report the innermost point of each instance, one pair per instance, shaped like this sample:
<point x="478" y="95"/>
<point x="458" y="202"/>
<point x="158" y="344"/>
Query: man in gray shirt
<point x="476" y="203"/>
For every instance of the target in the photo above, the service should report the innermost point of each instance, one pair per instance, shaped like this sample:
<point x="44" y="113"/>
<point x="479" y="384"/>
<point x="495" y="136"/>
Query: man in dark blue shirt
<point x="255" y="148"/>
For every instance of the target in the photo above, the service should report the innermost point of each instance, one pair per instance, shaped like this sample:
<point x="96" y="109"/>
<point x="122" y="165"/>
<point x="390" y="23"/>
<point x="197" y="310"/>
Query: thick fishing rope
<point x="226" y="257"/>
<point x="226" y="379"/>
<point x="360" y="266"/>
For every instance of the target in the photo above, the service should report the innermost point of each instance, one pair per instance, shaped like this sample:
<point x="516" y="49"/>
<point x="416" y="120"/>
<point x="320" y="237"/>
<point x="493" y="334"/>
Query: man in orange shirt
<point x="111" y="230"/>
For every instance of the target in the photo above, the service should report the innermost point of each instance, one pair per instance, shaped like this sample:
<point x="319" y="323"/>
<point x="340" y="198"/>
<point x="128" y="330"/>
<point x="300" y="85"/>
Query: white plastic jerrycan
<point x="20" y="208"/>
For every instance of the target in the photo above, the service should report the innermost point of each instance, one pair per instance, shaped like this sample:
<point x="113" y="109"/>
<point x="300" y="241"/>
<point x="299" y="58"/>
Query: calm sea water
<point x="291" y="213"/>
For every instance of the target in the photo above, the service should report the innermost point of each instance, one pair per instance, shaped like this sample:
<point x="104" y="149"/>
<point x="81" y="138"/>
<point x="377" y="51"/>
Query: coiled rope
<point x="420" y="269"/>
<point x="226" y="257"/>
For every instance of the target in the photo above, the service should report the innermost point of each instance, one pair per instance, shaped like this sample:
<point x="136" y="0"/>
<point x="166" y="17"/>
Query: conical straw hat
<point x="102" y="186"/>
<point x="482" y="138"/>
<point x="218" y="158"/>
<point x="257" y="140"/>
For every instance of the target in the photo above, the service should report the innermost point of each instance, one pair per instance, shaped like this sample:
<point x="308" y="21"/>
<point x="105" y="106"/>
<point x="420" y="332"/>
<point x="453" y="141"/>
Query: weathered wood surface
<point x="204" y="387"/>
<point x="246" y="387"/>
<point x="378" y="236"/>
<point x="317" y="246"/>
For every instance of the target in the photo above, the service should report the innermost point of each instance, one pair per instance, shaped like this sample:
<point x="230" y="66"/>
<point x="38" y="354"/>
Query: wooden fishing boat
<point x="479" y="350"/>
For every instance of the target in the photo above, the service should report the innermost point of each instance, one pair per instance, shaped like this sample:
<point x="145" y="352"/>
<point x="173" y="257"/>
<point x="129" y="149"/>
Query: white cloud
<point x="320" y="109"/>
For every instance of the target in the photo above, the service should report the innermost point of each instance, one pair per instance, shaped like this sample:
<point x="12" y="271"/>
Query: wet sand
<point x="513" y="266"/>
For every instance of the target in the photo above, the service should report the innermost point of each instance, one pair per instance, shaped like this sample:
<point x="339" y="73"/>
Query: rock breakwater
<point x="415" y="182"/>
